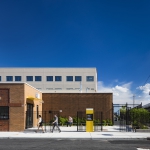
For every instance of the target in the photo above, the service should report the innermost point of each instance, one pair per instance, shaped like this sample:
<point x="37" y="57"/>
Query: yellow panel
<point x="89" y="124"/>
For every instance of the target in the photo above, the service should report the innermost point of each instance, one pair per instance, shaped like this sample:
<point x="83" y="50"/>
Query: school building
<point x="22" y="101"/>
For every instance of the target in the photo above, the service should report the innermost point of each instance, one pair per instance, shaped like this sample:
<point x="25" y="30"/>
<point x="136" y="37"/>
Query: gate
<point x="47" y="116"/>
<point x="81" y="121"/>
<point x="98" y="121"/>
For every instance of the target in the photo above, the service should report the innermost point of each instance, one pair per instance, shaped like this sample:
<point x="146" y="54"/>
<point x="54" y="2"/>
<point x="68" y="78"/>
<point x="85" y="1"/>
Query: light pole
<point x="133" y="100"/>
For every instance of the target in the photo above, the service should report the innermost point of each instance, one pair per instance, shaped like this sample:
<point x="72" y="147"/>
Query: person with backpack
<point x="55" y="123"/>
<point x="40" y="124"/>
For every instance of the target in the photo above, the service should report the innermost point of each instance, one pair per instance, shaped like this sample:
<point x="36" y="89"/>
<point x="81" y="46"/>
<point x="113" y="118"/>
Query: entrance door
<point x="29" y="116"/>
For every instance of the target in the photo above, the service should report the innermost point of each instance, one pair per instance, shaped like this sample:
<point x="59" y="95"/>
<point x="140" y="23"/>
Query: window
<point x="57" y="78"/>
<point x="17" y="78"/>
<point x="78" y="78"/>
<point x="4" y="112"/>
<point x="38" y="78"/>
<point x="39" y="88"/>
<point x="49" y="78"/>
<point x="9" y="78"/>
<point x="0" y="78"/>
<point x="89" y="78"/>
<point x="29" y="78"/>
<point x="69" y="78"/>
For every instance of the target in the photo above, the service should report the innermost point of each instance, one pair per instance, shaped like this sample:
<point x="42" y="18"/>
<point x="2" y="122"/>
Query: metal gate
<point x="98" y="121"/>
<point x="81" y="121"/>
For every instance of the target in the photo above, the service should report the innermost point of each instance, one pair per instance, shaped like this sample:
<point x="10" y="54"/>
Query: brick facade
<point x="72" y="102"/>
<point x="15" y="97"/>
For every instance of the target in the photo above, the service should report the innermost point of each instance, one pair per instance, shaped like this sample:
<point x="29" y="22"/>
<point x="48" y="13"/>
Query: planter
<point x="142" y="130"/>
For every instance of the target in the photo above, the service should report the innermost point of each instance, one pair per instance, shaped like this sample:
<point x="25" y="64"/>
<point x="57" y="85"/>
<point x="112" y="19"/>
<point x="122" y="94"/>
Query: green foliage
<point x="96" y="121"/>
<point x="140" y="117"/>
<point x="62" y="120"/>
<point x="107" y="122"/>
<point x="104" y="122"/>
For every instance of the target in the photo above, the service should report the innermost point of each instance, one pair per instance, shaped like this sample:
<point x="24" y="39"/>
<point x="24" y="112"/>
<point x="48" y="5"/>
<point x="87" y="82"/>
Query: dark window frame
<point x="28" y="77"/>
<point x="48" y="78"/>
<point x="57" y="77"/>
<point x="4" y="112"/>
<point x="9" y="78"/>
<point x="38" y="78"/>
<point x="16" y="78"/>
<point x="69" y="78"/>
<point x="88" y="80"/>
<point x="76" y="78"/>
<point x="0" y="78"/>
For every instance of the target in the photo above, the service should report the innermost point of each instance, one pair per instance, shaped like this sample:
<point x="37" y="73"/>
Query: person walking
<point x="40" y="124"/>
<point x="70" y="121"/>
<point x="55" y="123"/>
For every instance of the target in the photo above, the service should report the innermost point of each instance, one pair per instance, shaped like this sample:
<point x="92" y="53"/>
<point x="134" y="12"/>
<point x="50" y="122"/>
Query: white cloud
<point x="123" y="94"/>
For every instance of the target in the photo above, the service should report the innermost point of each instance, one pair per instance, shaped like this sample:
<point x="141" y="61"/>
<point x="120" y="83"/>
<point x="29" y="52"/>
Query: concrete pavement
<point x="71" y="133"/>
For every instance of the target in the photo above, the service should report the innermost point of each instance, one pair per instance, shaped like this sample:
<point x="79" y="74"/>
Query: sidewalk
<point x="71" y="133"/>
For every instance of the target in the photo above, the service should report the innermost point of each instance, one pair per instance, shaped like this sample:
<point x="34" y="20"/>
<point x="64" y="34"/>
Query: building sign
<point x="37" y="95"/>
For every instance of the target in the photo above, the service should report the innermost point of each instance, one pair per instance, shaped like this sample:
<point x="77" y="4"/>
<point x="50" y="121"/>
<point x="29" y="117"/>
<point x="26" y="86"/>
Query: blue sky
<point x="113" y="36"/>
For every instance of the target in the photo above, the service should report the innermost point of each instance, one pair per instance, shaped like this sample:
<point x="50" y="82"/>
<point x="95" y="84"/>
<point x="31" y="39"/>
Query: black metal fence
<point x="125" y="117"/>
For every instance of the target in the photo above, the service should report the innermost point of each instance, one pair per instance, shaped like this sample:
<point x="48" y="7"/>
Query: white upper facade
<point x="53" y="80"/>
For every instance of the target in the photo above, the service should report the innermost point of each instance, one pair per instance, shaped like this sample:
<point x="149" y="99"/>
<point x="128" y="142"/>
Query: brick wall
<point x="15" y="97"/>
<point x="70" y="103"/>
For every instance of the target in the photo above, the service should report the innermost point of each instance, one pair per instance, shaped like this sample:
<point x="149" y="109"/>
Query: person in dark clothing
<point x="55" y="123"/>
<point x="40" y="124"/>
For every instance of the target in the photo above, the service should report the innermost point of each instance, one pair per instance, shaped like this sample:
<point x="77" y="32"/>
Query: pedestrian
<point x="55" y="123"/>
<point x="70" y="121"/>
<point x="40" y="124"/>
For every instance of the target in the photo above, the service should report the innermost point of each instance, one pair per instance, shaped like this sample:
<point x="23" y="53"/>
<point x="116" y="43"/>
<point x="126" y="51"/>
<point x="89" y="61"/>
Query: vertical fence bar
<point x="45" y="120"/>
<point x="101" y="121"/>
<point x="77" y="121"/>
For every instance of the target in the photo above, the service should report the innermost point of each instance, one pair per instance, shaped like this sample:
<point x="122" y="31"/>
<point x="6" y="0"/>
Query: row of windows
<point x="66" y="88"/>
<point x="49" y="78"/>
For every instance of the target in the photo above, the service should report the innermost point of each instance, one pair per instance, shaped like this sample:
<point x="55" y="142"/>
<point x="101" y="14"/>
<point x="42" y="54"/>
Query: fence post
<point x="101" y="121"/>
<point x="45" y="121"/>
<point x="77" y="120"/>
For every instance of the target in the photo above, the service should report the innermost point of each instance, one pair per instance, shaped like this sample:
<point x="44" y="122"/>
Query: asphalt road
<point x="73" y="144"/>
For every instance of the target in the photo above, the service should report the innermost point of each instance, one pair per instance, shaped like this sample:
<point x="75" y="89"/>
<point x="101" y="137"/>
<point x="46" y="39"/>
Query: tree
<point x="140" y="117"/>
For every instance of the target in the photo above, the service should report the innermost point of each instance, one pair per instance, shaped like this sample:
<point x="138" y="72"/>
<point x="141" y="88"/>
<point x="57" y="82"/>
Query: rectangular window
<point x="4" y="112"/>
<point x="38" y="78"/>
<point x="57" y="78"/>
<point x="17" y="78"/>
<point x="9" y="78"/>
<point x="89" y="78"/>
<point x="0" y="78"/>
<point x="29" y="78"/>
<point x="69" y="78"/>
<point x="78" y="78"/>
<point x="49" y="78"/>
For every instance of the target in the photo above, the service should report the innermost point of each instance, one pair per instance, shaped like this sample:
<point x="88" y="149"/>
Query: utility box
<point x="89" y="119"/>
